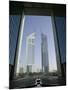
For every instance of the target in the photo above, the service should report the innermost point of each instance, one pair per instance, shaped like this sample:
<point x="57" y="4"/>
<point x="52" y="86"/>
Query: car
<point x="38" y="82"/>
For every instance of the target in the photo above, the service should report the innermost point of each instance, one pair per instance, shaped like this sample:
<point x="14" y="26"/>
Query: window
<point x="36" y="34"/>
<point x="42" y="53"/>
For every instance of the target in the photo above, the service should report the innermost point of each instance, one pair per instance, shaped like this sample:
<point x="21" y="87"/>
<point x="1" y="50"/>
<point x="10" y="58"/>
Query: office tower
<point x="44" y="51"/>
<point x="30" y="52"/>
<point x="29" y="68"/>
<point x="21" y="69"/>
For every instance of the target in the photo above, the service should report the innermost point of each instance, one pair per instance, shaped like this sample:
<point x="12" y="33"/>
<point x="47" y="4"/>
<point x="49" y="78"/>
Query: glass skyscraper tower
<point x="44" y="53"/>
<point x="30" y="52"/>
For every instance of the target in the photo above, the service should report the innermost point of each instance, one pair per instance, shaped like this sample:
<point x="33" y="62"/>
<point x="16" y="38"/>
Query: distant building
<point x="29" y="68"/>
<point x="30" y="51"/>
<point x="21" y="70"/>
<point x="44" y="51"/>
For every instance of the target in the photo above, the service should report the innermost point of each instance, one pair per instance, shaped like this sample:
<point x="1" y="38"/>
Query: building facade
<point x="44" y="51"/>
<point x="30" y="52"/>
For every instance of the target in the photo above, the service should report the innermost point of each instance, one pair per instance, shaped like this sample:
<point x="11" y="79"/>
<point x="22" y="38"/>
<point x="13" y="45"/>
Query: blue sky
<point x="39" y="24"/>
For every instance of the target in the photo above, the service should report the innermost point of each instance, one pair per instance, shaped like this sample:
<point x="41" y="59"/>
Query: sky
<point x="39" y="24"/>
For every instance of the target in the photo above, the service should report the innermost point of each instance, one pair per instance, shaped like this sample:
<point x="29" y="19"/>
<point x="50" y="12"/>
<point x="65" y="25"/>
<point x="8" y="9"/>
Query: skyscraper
<point x="30" y="51"/>
<point x="44" y="51"/>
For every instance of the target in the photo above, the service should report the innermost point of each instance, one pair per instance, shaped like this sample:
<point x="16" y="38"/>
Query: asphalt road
<point x="23" y="82"/>
<point x="53" y="81"/>
<point x="29" y="82"/>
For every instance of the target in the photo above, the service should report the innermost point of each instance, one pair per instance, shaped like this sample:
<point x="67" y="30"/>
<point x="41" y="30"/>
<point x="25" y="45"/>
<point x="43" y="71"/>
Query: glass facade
<point x="61" y="33"/>
<point x="14" y="21"/>
<point x="44" y="51"/>
<point x="60" y="23"/>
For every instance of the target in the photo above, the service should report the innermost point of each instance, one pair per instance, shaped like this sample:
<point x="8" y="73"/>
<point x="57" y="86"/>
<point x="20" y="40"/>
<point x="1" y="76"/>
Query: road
<point x="29" y="82"/>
